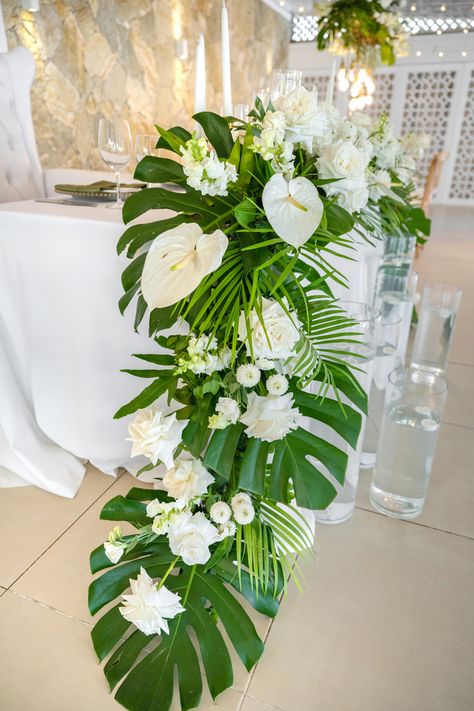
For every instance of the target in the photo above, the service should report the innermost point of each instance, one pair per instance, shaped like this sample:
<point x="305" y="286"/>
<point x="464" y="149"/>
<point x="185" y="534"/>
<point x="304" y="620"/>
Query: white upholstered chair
<point x="21" y="175"/>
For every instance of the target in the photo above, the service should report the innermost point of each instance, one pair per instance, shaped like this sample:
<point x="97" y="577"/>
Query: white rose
<point x="353" y="199"/>
<point x="147" y="607"/>
<point x="155" y="435"/>
<point x="279" y="337"/>
<point x="228" y="407"/>
<point x="187" y="479"/>
<point x="300" y="108"/>
<point x="190" y="537"/>
<point x="342" y="160"/>
<point x="270" y="418"/>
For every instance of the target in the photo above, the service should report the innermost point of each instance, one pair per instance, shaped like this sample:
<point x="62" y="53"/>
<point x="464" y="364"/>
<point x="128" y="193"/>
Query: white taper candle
<point x="200" y="76"/>
<point x="226" y="78"/>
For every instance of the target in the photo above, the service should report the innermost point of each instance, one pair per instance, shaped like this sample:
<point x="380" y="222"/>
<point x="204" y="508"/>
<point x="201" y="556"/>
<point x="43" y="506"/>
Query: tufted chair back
<point x="21" y="177"/>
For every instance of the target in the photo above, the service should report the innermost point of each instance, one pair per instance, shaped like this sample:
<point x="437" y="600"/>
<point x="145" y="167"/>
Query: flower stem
<point x="170" y="568"/>
<point x="191" y="576"/>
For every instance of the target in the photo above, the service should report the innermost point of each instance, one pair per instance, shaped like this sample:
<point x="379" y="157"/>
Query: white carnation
<point x="247" y="375"/>
<point x="220" y="512"/>
<point x="278" y="336"/>
<point x="229" y="408"/>
<point x="277" y="385"/>
<point x="149" y="608"/>
<point x="270" y="418"/>
<point x="244" y="513"/>
<point x="190" y="536"/>
<point x="155" y="435"/>
<point x="187" y="479"/>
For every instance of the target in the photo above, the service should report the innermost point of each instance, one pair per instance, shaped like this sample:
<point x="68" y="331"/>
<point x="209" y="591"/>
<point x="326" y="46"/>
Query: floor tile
<point x="250" y="704"/>
<point x="61" y="577"/>
<point x="47" y="516"/>
<point x="450" y="501"/>
<point x="385" y="622"/>
<point x="459" y="408"/>
<point x="58" y="670"/>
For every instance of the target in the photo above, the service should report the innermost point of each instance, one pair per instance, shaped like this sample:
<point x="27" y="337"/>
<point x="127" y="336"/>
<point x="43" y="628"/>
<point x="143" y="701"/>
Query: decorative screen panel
<point x="383" y="96"/>
<point x="462" y="183"/>
<point x="318" y="82"/>
<point x="427" y="107"/>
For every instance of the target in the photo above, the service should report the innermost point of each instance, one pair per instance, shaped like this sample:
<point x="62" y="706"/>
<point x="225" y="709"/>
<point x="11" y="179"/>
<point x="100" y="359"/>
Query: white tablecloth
<point x="63" y="342"/>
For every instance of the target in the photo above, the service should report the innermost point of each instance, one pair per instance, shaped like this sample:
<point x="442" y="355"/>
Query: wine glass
<point x="115" y="146"/>
<point x="145" y="145"/>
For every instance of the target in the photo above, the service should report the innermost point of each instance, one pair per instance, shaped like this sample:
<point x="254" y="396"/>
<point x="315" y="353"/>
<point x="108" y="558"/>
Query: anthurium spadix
<point x="177" y="262"/>
<point x="293" y="208"/>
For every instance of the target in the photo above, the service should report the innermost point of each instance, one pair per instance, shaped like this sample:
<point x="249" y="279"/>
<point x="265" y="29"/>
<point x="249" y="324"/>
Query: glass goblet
<point x="115" y="146"/>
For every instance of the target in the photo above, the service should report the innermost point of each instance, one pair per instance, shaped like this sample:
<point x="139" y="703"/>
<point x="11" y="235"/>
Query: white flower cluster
<point x="203" y="169"/>
<point x="203" y="356"/>
<point x="271" y="143"/>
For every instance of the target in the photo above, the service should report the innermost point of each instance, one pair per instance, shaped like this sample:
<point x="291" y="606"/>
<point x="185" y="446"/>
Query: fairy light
<point x="360" y="84"/>
<point x="413" y="8"/>
<point x="440" y="54"/>
<point x="464" y="54"/>
<point x="443" y="8"/>
<point x="418" y="54"/>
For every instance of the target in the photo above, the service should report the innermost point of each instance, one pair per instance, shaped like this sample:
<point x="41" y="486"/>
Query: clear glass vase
<point x="394" y="297"/>
<point x="414" y="403"/>
<point x="434" y="332"/>
<point x="399" y="250"/>
<point x="361" y="355"/>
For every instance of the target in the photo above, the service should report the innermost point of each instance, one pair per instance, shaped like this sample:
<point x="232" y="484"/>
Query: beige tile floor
<point x="385" y="622"/>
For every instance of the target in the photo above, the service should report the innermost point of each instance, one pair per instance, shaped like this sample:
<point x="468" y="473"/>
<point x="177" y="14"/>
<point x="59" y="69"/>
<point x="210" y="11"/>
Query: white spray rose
<point x="229" y="408"/>
<point x="149" y="608"/>
<point x="190" y="536"/>
<point x="155" y="435"/>
<point x="270" y="418"/>
<point x="187" y="479"/>
<point x="279" y="337"/>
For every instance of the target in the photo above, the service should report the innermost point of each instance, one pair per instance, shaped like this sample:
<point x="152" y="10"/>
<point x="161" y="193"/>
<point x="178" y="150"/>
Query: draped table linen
<point x="63" y="342"/>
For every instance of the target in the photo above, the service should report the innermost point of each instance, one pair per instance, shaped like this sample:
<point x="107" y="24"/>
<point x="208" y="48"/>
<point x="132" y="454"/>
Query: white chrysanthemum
<point x="270" y="418"/>
<point x="220" y="512"/>
<point x="149" y="608"/>
<point x="155" y="435"/>
<point x="244" y="513"/>
<point x="187" y="479"/>
<point x="229" y="408"/>
<point x="278" y="336"/>
<point x="239" y="499"/>
<point x="247" y="375"/>
<point x="264" y="364"/>
<point x="190" y="536"/>
<point x="225" y="530"/>
<point x="277" y="385"/>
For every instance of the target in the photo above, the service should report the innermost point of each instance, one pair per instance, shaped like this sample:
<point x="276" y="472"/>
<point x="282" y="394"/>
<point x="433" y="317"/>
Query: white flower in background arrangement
<point x="247" y="375"/>
<point x="294" y="209"/>
<point x="386" y="146"/>
<point x="225" y="530"/>
<point x="277" y="338"/>
<point x="302" y="123"/>
<point x="114" y="547"/>
<point x="155" y="435"/>
<point x="406" y="168"/>
<point x="344" y="161"/>
<point x="379" y="184"/>
<point x="328" y="120"/>
<point x="229" y="407"/>
<point x="177" y="262"/>
<point x="244" y="513"/>
<point x="220" y="512"/>
<point x="190" y="536"/>
<point x="277" y="385"/>
<point x="363" y="122"/>
<point x="187" y="479"/>
<point x="202" y="354"/>
<point x="270" y="418"/>
<point x="149" y="608"/>
<point x="271" y="144"/>
<point x="204" y="171"/>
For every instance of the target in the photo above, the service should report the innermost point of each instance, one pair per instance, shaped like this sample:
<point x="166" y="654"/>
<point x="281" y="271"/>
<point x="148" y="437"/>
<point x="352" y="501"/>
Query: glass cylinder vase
<point x="394" y="297"/>
<point x="413" y="408"/>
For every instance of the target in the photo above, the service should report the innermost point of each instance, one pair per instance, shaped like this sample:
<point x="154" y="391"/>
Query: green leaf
<point x="218" y="132"/>
<point x="328" y="411"/>
<point x="196" y="431"/>
<point x="245" y="212"/>
<point x="220" y="453"/>
<point x="132" y="274"/>
<point x="253" y="466"/>
<point x="121" y="509"/>
<point x="147" y="397"/>
<point x="137" y="236"/>
<point x="168" y="138"/>
<point x="108" y="631"/>
<point x="159" y="170"/>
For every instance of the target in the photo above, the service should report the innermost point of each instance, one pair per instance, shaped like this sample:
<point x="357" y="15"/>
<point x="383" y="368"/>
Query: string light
<point x="413" y="8"/>
<point x="418" y="54"/>
<point x="443" y="8"/>
<point x="439" y="32"/>
<point x="464" y="54"/>
<point x="440" y="54"/>
<point x="301" y="9"/>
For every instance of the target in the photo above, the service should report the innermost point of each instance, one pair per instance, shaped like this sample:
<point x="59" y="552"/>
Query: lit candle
<point x="226" y="80"/>
<point x="200" y="76"/>
<point x="332" y="79"/>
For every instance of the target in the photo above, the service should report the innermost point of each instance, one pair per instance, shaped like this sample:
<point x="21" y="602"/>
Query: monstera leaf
<point x="144" y="669"/>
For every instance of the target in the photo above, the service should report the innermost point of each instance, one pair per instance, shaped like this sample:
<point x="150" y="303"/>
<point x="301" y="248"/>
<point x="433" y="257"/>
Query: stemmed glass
<point x="145" y="145"/>
<point x="115" y="146"/>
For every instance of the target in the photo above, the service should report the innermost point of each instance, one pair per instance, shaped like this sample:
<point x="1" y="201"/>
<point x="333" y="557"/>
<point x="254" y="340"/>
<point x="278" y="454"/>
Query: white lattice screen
<point x="429" y="99"/>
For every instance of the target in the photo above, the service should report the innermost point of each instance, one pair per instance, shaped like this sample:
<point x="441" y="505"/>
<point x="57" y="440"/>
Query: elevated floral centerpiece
<point x="246" y="360"/>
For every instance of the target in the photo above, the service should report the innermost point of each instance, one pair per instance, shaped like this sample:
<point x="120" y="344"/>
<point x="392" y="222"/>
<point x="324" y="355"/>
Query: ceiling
<point x="425" y="8"/>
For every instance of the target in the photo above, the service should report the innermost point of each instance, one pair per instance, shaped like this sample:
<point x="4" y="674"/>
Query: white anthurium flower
<point x="177" y="262"/>
<point x="294" y="209"/>
<point x="148" y="607"/>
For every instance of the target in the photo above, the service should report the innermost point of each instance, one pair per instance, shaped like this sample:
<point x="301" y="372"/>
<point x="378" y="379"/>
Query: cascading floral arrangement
<point x="238" y="277"/>
<point x="369" y="29"/>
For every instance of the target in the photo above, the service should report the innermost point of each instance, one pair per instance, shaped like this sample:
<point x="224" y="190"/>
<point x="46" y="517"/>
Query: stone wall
<point x="106" y="58"/>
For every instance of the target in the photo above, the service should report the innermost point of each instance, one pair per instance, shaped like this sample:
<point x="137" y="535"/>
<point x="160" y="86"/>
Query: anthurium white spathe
<point x="187" y="479"/>
<point x="155" y="435"/>
<point x="270" y="418"/>
<point x="177" y="262"/>
<point x="293" y="208"/>
<point x="148" y="607"/>
<point x="276" y="337"/>
<point x="190" y="536"/>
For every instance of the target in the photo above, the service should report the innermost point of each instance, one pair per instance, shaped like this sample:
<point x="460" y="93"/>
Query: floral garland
<point x="240" y="279"/>
<point x="370" y="29"/>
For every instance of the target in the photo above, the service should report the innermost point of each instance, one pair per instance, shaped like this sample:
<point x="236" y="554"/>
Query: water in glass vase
<point x="404" y="460"/>
<point x="433" y="338"/>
